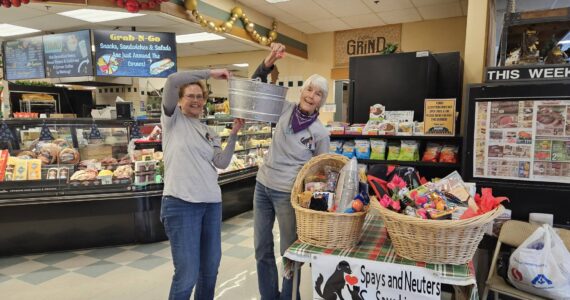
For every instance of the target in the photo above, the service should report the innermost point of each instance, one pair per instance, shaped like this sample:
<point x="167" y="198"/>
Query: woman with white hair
<point x="299" y="135"/>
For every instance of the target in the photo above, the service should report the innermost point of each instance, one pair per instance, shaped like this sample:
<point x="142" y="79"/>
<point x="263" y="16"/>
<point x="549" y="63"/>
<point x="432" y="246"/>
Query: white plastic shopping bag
<point x="541" y="265"/>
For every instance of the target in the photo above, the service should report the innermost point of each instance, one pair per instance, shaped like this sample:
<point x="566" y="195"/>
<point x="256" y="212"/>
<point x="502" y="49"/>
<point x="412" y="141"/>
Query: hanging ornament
<point x="135" y="131"/>
<point x="134" y="6"/>
<point x="95" y="134"/>
<point x="45" y="134"/>
<point x="227" y="26"/>
<point x="14" y="3"/>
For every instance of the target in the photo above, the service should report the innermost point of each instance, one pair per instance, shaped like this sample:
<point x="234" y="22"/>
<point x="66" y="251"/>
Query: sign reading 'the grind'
<point x="362" y="42"/>
<point x="526" y="73"/>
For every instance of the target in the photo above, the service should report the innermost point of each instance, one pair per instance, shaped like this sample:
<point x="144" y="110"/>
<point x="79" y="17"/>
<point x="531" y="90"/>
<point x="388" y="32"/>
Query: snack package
<point x="387" y="128"/>
<point x="335" y="147"/>
<point x="377" y="112"/>
<point x="378" y="149"/>
<point x="409" y="151"/>
<point x="34" y="169"/>
<point x="362" y="170"/>
<point x="332" y="178"/>
<point x="393" y="151"/>
<point x="418" y="128"/>
<point x="355" y="129"/>
<point x="448" y="154"/>
<point x="348" y="149"/>
<point x="405" y="128"/>
<point x="453" y="184"/>
<point x="315" y="186"/>
<point x="362" y="150"/>
<point x="432" y="152"/>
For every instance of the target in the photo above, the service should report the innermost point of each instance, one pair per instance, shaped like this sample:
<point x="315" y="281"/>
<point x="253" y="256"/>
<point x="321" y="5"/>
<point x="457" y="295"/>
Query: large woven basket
<point x="436" y="241"/>
<point x="325" y="229"/>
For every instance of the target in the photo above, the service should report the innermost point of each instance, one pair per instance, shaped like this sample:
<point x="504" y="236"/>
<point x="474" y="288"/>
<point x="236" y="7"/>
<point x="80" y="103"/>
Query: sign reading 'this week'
<point x="525" y="73"/>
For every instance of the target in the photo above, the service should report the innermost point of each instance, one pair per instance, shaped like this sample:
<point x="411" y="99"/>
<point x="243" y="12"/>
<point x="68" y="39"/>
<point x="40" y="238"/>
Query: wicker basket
<point x="436" y="241"/>
<point x="325" y="229"/>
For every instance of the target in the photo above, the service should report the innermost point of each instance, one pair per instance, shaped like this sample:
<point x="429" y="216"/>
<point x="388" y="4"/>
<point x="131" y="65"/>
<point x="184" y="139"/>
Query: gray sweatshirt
<point x="192" y="150"/>
<point x="290" y="151"/>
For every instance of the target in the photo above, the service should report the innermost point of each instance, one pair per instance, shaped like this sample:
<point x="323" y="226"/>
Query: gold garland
<point x="237" y="12"/>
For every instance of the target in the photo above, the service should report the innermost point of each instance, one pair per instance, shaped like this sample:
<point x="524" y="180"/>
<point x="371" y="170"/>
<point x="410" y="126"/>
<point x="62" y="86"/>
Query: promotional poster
<point x="134" y="54"/>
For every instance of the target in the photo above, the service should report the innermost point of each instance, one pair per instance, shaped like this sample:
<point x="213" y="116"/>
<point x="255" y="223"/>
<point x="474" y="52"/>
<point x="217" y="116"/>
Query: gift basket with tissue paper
<point x="331" y="200"/>
<point x="435" y="222"/>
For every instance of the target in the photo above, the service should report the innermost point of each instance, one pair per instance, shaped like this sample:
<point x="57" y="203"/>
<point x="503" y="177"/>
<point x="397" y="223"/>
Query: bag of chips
<point x="448" y="154"/>
<point x="362" y="149"/>
<point x="393" y="151"/>
<point x="378" y="149"/>
<point x="348" y="149"/>
<point x="409" y="151"/>
<point x="432" y="152"/>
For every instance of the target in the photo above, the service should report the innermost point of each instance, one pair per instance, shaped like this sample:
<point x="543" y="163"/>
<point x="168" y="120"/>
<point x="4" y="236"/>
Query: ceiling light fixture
<point x="12" y="30"/>
<point x="198" y="37"/>
<point x="97" y="15"/>
<point x="242" y="65"/>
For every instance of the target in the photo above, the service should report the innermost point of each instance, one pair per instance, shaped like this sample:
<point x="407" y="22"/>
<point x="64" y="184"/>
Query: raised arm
<point x="265" y="68"/>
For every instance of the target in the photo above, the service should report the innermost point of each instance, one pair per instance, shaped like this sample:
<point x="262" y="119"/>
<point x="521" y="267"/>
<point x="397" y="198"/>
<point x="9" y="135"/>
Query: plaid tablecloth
<point x="376" y="246"/>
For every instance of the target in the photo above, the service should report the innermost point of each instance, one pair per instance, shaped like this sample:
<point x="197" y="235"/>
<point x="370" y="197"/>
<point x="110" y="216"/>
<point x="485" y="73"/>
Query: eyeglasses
<point x="198" y="97"/>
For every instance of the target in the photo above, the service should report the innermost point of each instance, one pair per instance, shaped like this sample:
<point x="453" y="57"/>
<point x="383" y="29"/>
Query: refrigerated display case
<point x="518" y="143"/>
<point x="80" y="183"/>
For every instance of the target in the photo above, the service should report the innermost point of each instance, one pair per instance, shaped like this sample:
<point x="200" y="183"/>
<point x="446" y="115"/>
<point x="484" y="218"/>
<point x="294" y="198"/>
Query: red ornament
<point x="16" y="3"/>
<point x="6" y="3"/>
<point x="120" y="3"/>
<point x="132" y="6"/>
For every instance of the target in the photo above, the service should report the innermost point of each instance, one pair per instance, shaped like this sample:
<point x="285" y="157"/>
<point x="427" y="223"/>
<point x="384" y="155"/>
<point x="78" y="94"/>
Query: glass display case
<point x="81" y="183"/>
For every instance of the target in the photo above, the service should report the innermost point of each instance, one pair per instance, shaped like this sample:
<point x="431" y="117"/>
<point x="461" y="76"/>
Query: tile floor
<point x="132" y="272"/>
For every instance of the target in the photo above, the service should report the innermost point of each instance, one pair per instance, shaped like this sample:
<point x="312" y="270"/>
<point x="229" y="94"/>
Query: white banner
<point x="337" y="277"/>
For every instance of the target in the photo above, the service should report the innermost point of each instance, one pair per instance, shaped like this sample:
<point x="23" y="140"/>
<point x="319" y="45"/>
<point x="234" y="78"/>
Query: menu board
<point x="68" y="54"/>
<point x="24" y="59"/>
<point x="134" y="54"/>
<point x="523" y="140"/>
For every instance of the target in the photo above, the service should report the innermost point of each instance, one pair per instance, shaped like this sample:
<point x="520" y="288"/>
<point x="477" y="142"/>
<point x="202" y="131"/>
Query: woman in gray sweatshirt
<point x="299" y="135"/>
<point x="191" y="206"/>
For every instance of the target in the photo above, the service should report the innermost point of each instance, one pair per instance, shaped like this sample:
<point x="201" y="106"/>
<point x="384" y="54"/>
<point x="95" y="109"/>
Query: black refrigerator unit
<point x="399" y="81"/>
<point x="518" y="143"/>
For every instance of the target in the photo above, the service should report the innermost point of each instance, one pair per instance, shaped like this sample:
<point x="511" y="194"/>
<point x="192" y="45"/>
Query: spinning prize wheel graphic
<point x="108" y="64"/>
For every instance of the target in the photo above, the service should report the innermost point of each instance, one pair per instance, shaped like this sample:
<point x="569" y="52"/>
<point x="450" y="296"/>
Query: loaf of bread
<point x="48" y="153"/>
<point x="68" y="156"/>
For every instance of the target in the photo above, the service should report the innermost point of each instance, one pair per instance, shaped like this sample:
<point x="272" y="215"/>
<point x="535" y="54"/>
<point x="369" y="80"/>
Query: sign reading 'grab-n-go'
<point x="337" y="277"/>
<point x="526" y="73"/>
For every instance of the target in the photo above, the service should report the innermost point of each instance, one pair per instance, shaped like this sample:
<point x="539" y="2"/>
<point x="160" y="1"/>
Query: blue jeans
<point x="194" y="231"/>
<point x="268" y="204"/>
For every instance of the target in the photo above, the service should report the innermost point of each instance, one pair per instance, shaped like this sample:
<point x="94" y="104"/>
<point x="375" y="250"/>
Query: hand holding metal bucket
<point x="256" y="100"/>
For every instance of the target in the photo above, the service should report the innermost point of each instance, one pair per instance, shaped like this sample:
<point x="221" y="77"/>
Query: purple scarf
<point x="300" y="120"/>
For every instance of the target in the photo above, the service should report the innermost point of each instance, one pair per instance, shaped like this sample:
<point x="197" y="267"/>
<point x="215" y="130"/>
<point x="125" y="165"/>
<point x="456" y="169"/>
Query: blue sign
<point x="134" y="54"/>
<point x="68" y="54"/>
<point x="24" y="58"/>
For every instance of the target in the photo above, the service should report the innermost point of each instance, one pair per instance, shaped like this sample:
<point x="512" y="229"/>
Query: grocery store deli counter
<point x="93" y="195"/>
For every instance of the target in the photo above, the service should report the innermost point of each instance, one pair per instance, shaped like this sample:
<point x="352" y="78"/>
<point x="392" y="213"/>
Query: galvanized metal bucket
<point x="256" y="100"/>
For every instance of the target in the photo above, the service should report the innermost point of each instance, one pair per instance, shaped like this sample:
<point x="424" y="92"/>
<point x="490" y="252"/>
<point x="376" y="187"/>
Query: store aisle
<point x="132" y="272"/>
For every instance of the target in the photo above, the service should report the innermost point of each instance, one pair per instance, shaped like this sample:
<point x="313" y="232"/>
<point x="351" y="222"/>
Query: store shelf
<point x="409" y="163"/>
<point x="396" y="137"/>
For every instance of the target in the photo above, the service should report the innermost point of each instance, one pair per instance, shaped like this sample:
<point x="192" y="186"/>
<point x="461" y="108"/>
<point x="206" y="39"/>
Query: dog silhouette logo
<point x="540" y="279"/>
<point x="335" y="284"/>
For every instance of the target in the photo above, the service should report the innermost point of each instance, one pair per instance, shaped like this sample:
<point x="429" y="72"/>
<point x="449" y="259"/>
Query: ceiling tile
<point x="330" y="25"/>
<point x="148" y="20"/>
<point x="19" y="14"/>
<point x="305" y="27"/>
<point x="400" y="16"/>
<point x="464" y="4"/>
<point x="53" y="23"/>
<point x="440" y="11"/>
<point x="308" y="11"/>
<point x="361" y="21"/>
<point x="388" y="5"/>
<point x="344" y="8"/>
<point x="420" y="3"/>
<point x="285" y="17"/>
<point x="187" y="50"/>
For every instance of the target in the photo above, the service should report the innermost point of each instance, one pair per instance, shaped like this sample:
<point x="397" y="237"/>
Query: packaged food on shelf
<point x="409" y="151"/>
<point x="393" y="151"/>
<point x="449" y="154"/>
<point x="335" y="147"/>
<point x="348" y="149"/>
<point x="362" y="149"/>
<point x="432" y="152"/>
<point x="378" y="149"/>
